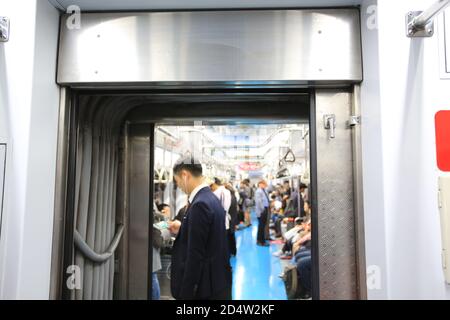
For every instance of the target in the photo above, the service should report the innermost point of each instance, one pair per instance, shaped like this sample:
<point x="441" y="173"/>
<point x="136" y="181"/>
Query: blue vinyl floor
<point x="255" y="270"/>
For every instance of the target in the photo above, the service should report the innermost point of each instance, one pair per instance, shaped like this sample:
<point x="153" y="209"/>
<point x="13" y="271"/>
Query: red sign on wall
<point x="249" y="166"/>
<point x="443" y="140"/>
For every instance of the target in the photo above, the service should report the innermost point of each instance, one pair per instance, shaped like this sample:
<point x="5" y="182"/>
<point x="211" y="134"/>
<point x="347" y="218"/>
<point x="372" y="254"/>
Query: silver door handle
<point x="329" y="121"/>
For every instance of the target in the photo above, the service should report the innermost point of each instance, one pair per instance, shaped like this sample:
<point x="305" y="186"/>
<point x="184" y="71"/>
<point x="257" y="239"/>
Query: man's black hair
<point x="162" y="206"/>
<point x="190" y="164"/>
<point x="217" y="181"/>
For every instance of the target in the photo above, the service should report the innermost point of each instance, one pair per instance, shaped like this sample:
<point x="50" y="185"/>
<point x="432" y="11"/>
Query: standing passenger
<point x="245" y="193"/>
<point x="159" y="237"/>
<point x="224" y="197"/>
<point x="200" y="258"/>
<point x="262" y="209"/>
<point x="234" y="220"/>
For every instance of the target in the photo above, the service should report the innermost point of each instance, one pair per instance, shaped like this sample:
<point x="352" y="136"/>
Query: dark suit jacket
<point x="292" y="210"/>
<point x="200" y="256"/>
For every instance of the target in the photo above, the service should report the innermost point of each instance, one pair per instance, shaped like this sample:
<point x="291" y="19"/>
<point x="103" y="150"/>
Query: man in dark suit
<point x="200" y="257"/>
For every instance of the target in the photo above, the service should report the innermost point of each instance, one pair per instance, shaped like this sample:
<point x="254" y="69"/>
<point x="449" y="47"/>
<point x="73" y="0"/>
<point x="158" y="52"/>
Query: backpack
<point x="291" y="283"/>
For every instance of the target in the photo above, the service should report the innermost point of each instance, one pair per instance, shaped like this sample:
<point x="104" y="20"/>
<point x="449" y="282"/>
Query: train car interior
<point x="234" y="154"/>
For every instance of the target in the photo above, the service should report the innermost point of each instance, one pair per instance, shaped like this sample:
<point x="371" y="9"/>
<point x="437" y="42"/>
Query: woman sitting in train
<point x="290" y="238"/>
<point x="276" y="213"/>
<point x="302" y="247"/>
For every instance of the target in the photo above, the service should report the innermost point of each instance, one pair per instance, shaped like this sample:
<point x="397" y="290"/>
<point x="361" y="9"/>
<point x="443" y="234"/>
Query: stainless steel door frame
<point x="139" y="211"/>
<point x="3" y="153"/>
<point x="337" y="197"/>
<point x="123" y="217"/>
<point x="139" y="49"/>
<point x="358" y="195"/>
<point x="231" y="49"/>
<point x="62" y="161"/>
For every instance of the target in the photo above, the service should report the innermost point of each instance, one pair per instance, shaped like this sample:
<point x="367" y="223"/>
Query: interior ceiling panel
<point x="130" y="5"/>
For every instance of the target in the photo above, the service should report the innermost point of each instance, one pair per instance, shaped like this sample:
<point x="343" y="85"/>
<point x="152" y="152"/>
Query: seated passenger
<point x="275" y="207"/>
<point x="307" y="208"/>
<point x="304" y="276"/>
<point x="296" y="207"/>
<point x="277" y="214"/>
<point x="304" y="241"/>
<point x="290" y="236"/>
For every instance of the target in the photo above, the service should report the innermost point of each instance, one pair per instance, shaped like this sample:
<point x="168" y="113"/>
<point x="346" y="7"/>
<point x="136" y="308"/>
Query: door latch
<point x="4" y="29"/>
<point x="354" y="121"/>
<point x="329" y="122"/>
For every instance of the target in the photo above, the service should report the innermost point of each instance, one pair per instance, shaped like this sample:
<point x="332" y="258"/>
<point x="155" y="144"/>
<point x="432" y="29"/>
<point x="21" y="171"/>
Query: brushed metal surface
<point x="2" y="179"/>
<point x="336" y="210"/>
<point x="154" y="5"/>
<point x="139" y="197"/>
<point x="60" y="196"/>
<point x="359" y="197"/>
<point x="447" y="41"/>
<point x="227" y="47"/>
<point x="444" y="44"/>
<point x="336" y="218"/>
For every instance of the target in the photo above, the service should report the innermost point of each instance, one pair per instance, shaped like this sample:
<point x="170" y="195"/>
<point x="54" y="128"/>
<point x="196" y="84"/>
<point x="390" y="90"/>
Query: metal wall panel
<point x="238" y="47"/>
<point x="139" y="201"/>
<point x="359" y="197"/>
<point x="335" y="193"/>
<point x="134" y="5"/>
<point x="2" y="179"/>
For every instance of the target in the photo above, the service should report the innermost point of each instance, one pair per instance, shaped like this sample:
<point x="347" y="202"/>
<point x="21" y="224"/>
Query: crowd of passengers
<point x="284" y="218"/>
<point x="289" y="216"/>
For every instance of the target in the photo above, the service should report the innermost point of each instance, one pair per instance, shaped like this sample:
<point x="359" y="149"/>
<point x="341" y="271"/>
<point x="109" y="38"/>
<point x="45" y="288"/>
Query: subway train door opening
<point x="280" y="164"/>
<point x="267" y="98"/>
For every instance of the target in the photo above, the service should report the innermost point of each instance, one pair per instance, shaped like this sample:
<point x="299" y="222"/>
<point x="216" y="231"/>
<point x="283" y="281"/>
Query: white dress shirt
<point x="196" y="190"/>
<point x="224" y="195"/>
